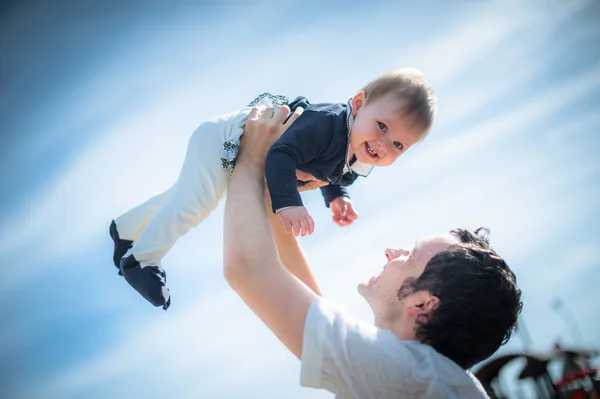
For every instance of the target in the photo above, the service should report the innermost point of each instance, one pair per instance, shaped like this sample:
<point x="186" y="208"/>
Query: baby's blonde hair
<point x="411" y="87"/>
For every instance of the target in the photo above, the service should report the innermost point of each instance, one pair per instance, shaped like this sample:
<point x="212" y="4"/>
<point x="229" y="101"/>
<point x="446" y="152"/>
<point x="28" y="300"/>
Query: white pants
<point x="155" y="225"/>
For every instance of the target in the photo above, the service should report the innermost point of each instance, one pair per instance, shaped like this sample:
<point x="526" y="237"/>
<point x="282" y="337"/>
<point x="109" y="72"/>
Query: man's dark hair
<point x="479" y="300"/>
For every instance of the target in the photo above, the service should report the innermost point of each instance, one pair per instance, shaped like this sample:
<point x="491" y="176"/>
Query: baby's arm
<point x="333" y="191"/>
<point x="338" y="200"/>
<point x="304" y="141"/>
<point x="343" y="211"/>
<point x="296" y="220"/>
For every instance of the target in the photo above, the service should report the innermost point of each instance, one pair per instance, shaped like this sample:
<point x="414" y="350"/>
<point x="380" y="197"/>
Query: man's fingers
<point x="267" y="113"/>
<point x="311" y="185"/>
<point x="304" y="176"/>
<point x="297" y="112"/>
<point x="255" y="112"/>
<point x="281" y="114"/>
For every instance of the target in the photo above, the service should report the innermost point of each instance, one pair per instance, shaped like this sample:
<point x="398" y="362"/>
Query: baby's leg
<point x="125" y="229"/>
<point x="131" y="224"/>
<point x="201" y="184"/>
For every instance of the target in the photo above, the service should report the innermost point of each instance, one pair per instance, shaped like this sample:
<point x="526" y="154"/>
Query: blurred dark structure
<point x="577" y="379"/>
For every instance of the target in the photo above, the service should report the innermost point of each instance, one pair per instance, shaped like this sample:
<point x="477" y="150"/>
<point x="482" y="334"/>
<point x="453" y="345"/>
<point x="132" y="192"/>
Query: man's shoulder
<point x="397" y="365"/>
<point x="449" y="378"/>
<point x="412" y="367"/>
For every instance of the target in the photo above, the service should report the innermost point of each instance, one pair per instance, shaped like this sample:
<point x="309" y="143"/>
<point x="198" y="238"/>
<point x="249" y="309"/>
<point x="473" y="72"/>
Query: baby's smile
<point x="371" y="153"/>
<point x="370" y="150"/>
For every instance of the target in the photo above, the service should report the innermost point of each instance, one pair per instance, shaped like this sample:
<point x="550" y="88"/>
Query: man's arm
<point x="290" y="251"/>
<point x="251" y="264"/>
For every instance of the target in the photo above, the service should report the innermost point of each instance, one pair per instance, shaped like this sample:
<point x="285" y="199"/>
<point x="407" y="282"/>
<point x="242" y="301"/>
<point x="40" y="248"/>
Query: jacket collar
<point x="357" y="167"/>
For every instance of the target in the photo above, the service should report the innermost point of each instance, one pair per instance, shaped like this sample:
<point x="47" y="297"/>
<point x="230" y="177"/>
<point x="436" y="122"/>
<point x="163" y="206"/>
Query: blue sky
<point x="97" y="104"/>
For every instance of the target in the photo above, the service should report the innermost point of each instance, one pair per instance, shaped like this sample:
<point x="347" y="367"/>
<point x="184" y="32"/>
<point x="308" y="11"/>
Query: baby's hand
<point x="296" y="220"/>
<point x="343" y="211"/>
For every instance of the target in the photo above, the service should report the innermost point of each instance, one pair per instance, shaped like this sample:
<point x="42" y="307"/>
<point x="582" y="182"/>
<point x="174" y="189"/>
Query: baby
<point x="334" y="143"/>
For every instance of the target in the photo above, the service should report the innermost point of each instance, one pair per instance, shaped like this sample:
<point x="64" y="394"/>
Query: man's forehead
<point x="437" y="243"/>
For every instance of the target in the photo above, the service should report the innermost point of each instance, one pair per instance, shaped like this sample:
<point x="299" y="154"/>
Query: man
<point x="439" y="308"/>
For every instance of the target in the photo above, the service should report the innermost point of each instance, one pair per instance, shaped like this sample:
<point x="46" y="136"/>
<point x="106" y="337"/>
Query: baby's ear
<point x="358" y="101"/>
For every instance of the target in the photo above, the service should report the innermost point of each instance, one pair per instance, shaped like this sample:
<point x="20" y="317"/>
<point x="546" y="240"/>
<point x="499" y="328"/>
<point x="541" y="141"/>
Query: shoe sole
<point x="120" y="246"/>
<point x="147" y="281"/>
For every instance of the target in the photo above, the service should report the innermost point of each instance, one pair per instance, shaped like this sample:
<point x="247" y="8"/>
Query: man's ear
<point x="431" y="303"/>
<point x="358" y="101"/>
<point x="423" y="309"/>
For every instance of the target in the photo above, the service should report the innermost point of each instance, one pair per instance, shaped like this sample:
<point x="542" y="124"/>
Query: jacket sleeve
<point x="332" y="191"/>
<point x="305" y="140"/>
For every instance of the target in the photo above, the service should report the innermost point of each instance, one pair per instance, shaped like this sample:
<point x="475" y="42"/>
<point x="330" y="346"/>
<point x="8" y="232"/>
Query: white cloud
<point x="489" y="32"/>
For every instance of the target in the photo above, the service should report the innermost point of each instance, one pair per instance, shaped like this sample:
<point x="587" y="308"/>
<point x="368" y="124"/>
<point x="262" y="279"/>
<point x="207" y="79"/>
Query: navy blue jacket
<point x="317" y="143"/>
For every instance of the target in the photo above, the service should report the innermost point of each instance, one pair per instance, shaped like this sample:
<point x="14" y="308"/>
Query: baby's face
<point x="380" y="134"/>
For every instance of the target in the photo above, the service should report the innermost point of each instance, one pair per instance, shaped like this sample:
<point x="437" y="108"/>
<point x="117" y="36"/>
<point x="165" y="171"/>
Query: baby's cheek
<point x="388" y="160"/>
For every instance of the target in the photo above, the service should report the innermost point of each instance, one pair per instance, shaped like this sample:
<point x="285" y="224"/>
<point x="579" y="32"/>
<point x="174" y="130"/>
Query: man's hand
<point x="262" y="130"/>
<point x="343" y="211"/>
<point x="313" y="182"/>
<point x="297" y="221"/>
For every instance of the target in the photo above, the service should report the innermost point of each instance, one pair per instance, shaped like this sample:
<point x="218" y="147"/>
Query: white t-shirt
<point x="354" y="359"/>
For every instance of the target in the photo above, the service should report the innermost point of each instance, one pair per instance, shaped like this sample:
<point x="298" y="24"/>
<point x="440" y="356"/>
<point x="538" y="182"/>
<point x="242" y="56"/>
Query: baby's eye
<point x="382" y="126"/>
<point x="398" y="145"/>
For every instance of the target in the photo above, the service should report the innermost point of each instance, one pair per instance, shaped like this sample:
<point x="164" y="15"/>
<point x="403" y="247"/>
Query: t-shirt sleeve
<point x="352" y="358"/>
<point x="305" y="140"/>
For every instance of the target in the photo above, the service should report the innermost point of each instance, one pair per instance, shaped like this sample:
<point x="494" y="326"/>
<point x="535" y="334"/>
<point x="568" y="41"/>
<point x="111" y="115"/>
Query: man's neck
<point x="403" y="329"/>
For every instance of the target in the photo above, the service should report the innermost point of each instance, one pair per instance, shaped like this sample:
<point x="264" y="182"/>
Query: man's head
<point x="391" y="113"/>
<point x="452" y="292"/>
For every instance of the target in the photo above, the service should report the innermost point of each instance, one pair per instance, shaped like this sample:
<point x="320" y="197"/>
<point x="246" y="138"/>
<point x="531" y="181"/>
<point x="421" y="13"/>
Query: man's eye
<point x="398" y="145"/>
<point x="382" y="126"/>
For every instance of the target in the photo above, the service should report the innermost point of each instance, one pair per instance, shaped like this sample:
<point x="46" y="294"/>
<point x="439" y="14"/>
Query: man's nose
<point x="393" y="253"/>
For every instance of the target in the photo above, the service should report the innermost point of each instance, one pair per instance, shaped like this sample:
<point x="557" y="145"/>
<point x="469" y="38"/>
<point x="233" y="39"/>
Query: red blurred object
<point x="577" y="376"/>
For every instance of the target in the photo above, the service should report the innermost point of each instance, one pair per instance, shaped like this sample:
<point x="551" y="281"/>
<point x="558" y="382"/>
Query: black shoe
<point x="149" y="281"/>
<point x="121" y="246"/>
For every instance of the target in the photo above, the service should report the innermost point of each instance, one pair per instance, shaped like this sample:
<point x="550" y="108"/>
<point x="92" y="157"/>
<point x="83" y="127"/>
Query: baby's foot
<point x="121" y="246"/>
<point x="149" y="281"/>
